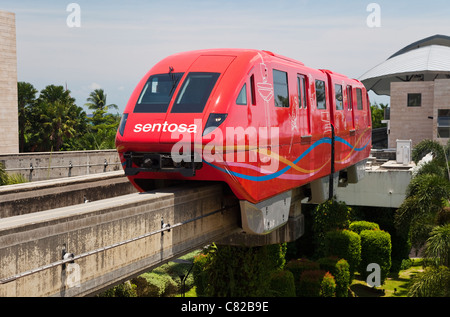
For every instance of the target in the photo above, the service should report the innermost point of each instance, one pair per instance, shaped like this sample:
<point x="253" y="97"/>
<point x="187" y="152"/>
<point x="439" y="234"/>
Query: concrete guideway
<point x="49" y="194"/>
<point x="118" y="238"/>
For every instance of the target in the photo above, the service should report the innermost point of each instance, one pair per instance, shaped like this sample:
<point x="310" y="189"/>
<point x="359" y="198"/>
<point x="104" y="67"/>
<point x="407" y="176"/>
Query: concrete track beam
<point x="95" y="232"/>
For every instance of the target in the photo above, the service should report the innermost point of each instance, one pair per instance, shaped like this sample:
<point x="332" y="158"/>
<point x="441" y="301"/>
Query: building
<point x="417" y="79"/>
<point x="9" y="122"/>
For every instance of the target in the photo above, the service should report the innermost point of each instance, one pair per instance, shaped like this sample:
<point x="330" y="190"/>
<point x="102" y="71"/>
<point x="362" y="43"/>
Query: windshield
<point x="195" y="92"/>
<point x="157" y="92"/>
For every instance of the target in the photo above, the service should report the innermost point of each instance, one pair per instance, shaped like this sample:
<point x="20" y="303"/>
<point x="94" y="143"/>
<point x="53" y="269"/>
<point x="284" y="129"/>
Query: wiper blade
<point x="174" y="80"/>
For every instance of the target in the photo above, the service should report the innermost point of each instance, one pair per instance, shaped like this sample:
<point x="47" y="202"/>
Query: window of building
<point x="242" y="97"/>
<point x="443" y="123"/>
<point x="338" y="96"/>
<point x="280" y="85"/>
<point x="359" y="100"/>
<point x="320" y="94"/>
<point x="414" y="100"/>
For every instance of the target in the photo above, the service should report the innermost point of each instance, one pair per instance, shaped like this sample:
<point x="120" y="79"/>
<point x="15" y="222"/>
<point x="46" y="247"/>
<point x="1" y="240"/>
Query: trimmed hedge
<point x="317" y="283"/>
<point x="297" y="267"/>
<point x="328" y="216"/>
<point x="344" y="244"/>
<point x="358" y="226"/>
<point x="375" y="248"/>
<point x="282" y="284"/>
<point x="340" y="269"/>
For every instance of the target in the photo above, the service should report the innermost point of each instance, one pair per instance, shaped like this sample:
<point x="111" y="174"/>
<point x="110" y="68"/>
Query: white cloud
<point x="94" y="86"/>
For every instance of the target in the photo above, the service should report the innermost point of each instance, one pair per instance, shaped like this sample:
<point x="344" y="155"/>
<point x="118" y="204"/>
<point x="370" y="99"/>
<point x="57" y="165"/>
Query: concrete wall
<point x="9" y="122"/>
<point x="379" y="187"/>
<point x="43" y="166"/>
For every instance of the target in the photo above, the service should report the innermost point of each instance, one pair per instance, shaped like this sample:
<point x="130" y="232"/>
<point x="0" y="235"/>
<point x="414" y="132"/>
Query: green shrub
<point x="375" y="248"/>
<point x="237" y="271"/>
<point x="297" y="267"/>
<point x="200" y="274"/>
<point x="328" y="286"/>
<point x="316" y="283"/>
<point x="282" y="284"/>
<point x="358" y="226"/>
<point x="344" y="244"/>
<point x="328" y="216"/>
<point x="126" y="289"/>
<point x="340" y="269"/>
<point x="158" y="285"/>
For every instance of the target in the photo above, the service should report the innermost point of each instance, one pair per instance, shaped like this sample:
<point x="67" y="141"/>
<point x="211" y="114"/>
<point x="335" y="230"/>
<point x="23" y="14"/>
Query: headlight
<point x="214" y="120"/>
<point x="122" y="124"/>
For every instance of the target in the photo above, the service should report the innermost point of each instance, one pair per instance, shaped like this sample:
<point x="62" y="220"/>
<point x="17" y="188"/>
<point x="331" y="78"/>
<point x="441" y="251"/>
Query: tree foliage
<point x="425" y="218"/>
<point x="53" y="122"/>
<point x="377" y="111"/>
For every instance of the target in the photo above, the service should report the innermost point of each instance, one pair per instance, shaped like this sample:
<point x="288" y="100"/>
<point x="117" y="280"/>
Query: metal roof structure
<point x="424" y="60"/>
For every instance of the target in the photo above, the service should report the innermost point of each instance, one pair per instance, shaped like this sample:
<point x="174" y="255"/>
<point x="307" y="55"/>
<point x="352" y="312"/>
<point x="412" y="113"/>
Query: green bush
<point x="328" y="286"/>
<point x="157" y="285"/>
<point x="317" y="283"/>
<point x="126" y="289"/>
<point x="282" y="284"/>
<point x="328" y="216"/>
<point x="358" y="226"/>
<point x="375" y="248"/>
<point x="200" y="274"/>
<point x="297" y="267"/>
<point x="237" y="271"/>
<point x="340" y="269"/>
<point x="344" y="244"/>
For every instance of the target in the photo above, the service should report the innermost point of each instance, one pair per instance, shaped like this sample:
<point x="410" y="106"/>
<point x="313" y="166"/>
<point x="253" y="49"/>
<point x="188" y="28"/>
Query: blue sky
<point x="119" y="41"/>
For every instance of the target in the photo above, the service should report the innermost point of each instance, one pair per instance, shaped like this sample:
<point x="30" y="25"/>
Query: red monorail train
<point x="260" y="122"/>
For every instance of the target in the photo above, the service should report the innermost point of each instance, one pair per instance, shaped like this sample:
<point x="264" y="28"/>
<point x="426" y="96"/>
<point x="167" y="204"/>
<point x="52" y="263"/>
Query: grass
<point x="394" y="286"/>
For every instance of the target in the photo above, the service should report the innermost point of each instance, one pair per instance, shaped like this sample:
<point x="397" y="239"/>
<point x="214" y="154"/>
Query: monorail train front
<point x="176" y="103"/>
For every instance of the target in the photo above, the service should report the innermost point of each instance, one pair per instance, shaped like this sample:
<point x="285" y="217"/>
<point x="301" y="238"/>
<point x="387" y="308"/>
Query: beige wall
<point x="9" y="125"/>
<point x="411" y="123"/>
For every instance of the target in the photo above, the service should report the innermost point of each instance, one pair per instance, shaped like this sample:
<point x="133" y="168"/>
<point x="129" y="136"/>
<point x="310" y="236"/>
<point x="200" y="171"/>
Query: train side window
<point x="242" y="97"/>
<point x="349" y="98"/>
<point x="252" y="89"/>
<point x="320" y="94"/>
<point x="281" y="93"/>
<point x="359" y="100"/>
<point x="338" y="96"/>
<point x="301" y="81"/>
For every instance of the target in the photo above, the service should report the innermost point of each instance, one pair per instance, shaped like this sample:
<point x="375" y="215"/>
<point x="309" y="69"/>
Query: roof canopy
<point x="424" y="60"/>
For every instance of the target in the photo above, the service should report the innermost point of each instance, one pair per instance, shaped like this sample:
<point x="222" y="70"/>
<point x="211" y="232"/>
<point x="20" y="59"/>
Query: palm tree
<point x="427" y="195"/>
<point x="435" y="280"/>
<point x="97" y="101"/>
<point x="26" y="94"/>
<point x="57" y="118"/>
<point x="438" y="245"/>
<point x="424" y="216"/>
